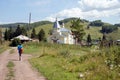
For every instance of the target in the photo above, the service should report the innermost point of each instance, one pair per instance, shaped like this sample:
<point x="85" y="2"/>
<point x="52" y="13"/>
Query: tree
<point x="24" y="31"/>
<point x="97" y="23"/>
<point x="0" y="36"/>
<point x="77" y="30"/>
<point x="104" y="41"/>
<point x="89" y="39"/>
<point x="18" y="31"/>
<point x="41" y="35"/>
<point x="10" y="33"/>
<point x="15" y="42"/>
<point x="108" y="28"/>
<point x="6" y="35"/>
<point x="104" y="37"/>
<point x="33" y="34"/>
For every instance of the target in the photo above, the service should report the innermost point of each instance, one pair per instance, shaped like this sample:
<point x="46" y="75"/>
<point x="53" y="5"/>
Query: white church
<point x="61" y="35"/>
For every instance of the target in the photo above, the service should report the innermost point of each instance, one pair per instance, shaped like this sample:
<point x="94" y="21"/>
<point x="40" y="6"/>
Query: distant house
<point x="118" y="42"/>
<point x="61" y="35"/>
<point x="23" y="38"/>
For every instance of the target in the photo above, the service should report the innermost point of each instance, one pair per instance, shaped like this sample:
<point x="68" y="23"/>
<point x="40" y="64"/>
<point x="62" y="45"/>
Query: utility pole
<point x="29" y="24"/>
<point x="29" y="20"/>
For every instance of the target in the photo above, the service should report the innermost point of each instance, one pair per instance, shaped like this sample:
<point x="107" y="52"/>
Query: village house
<point x="23" y="38"/>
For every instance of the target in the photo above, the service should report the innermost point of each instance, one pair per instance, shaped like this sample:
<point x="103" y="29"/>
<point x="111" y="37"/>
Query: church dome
<point x="56" y="24"/>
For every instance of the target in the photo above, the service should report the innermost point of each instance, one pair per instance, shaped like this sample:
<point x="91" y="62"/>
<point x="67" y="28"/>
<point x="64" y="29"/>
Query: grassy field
<point x="70" y="62"/>
<point x="114" y="35"/>
<point x="3" y="47"/>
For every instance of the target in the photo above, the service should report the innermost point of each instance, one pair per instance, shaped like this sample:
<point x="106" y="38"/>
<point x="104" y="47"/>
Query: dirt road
<point x="22" y="69"/>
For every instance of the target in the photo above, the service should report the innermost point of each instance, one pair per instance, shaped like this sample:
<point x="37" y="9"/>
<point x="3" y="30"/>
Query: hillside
<point x="94" y="31"/>
<point x="13" y="25"/>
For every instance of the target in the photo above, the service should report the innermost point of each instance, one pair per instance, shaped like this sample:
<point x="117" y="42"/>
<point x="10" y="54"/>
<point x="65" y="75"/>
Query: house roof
<point x="22" y="37"/>
<point x="118" y="40"/>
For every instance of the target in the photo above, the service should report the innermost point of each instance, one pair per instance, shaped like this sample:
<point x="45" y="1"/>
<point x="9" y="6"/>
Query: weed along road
<point x="22" y="70"/>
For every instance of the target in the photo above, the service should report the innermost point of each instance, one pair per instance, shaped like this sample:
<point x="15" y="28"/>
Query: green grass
<point x="114" y="35"/>
<point x="68" y="62"/>
<point x="3" y="47"/>
<point x="10" y="75"/>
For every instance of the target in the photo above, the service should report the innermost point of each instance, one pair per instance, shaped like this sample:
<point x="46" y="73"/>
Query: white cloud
<point x="90" y="9"/>
<point x="99" y="4"/>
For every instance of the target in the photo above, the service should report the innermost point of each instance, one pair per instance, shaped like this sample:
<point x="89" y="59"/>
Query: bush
<point x="15" y="42"/>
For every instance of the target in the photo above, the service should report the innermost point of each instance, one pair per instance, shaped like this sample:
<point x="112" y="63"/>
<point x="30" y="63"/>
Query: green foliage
<point x="18" y="31"/>
<point x="15" y="42"/>
<point x="3" y="47"/>
<point x="117" y="25"/>
<point x="113" y="57"/>
<point x="10" y="33"/>
<point x="10" y="75"/>
<point x="97" y="23"/>
<point x="13" y="25"/>
<point x="64" y="53"/>
<point x="41" y="35"/>
<point x="77" y="30"/>
<point x="115" y="35"/>
<point x="10" y="64"/>
<point x="0" y="36"/>
<point x="6" y="35"/>
<point x="68" y="62"/>
<point x="33" y="34"/>
<point x="89" y="40"/>
<point x="108" y="28"/>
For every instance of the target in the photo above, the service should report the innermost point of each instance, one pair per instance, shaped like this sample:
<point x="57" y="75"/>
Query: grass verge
<point x="10" y="75"/>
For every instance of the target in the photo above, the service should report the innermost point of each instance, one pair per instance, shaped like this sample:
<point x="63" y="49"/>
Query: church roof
<point x="56" y="24"/>
<point x="64" y="30"/>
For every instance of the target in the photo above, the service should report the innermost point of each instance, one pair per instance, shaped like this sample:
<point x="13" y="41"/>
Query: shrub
<point x="15" y="42"/>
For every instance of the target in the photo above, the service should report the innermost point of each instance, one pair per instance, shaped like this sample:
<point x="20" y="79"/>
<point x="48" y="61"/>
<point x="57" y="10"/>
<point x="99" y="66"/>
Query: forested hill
<point x="13" y="25"/>
<point x="96" y="23"/>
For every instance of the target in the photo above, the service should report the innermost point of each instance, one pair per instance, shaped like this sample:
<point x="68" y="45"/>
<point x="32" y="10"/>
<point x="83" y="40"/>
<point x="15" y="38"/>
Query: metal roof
<point x="56" y="24"/>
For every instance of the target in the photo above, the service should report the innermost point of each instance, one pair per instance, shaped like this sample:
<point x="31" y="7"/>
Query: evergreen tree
<point x="104" y="41"/>
<point x="104" y="37"/>
<point x="77" y="30"/>
<point x="18" y="31"/>
<point x="6" y="35"/>
<point x="89" y="40"/>
<point x="0" y="36"/>
<point x="33" y="34"/>
<point x="24" y="31"/>
<point x="41" y="35"/>
<point x="10" y="33"/>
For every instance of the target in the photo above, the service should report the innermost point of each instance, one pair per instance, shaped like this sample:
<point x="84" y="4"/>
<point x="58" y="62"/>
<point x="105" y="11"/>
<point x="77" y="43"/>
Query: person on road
<point x="20" y="51"/>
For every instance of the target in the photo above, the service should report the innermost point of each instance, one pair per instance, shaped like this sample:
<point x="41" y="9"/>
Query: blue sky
<point x="18" y="10"/>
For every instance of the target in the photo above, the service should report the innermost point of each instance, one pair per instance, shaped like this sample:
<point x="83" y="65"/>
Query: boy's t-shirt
<point x="20" y="47"/>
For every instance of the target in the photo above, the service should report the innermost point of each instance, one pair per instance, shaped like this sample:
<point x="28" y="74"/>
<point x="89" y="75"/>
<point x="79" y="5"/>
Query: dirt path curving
<point x="22" y="69"/>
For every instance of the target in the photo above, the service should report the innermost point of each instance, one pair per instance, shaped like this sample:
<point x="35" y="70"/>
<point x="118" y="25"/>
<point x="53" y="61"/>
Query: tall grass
<point x="71" y="62"/>
<point x="4" y="46"/>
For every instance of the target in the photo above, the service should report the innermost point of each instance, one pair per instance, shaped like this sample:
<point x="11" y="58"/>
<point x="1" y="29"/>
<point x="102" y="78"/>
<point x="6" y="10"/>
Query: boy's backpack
<point x="21" y="50"/>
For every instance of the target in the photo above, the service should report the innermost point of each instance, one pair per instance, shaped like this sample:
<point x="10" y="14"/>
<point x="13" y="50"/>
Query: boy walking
<point x="20" y="50"/>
